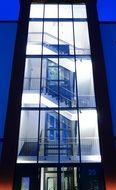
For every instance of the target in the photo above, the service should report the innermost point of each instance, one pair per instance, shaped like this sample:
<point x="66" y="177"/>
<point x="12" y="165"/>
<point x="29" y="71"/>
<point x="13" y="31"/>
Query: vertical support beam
<point x="102" y="99"/>
<point x="9" y="152"/>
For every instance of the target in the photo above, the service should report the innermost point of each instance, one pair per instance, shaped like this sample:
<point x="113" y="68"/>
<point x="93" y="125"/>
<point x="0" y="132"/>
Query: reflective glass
<point x="49" y="84"/>
<point x="48" y="179"/>
<point x="58" y="84"/>
<point x="82" y="45"/>
<point x="79" y="11"/>
<point x="67" y="83"/>
<point x="90" y="151"/>
<point x="86" y="97"/>
<point x="36" y="11"/>
<point x="28" y="137"/>
<point x="31" y="86"/>
<point x="65" y="11"/>
<point x="25" y="182"/>
<point x="51" y="11"/>
<point x="48" y="137"/>
<point x="66" y="41"/>
<point x="69" y="150"/>
<point x="50" y="42"/>
<point x="69" y="178"/>
<point x="34" y="42"/>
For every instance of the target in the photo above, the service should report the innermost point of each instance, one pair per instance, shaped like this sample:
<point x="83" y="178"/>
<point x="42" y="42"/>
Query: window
<point x="58" y="119"/>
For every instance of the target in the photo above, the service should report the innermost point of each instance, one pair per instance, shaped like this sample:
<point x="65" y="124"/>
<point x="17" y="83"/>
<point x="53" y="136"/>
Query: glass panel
<point x="48" y="179"/>
<point x="79" y="11"/>
<point x="25" y="183"/>
<point x="66" y="43"/>
<point x="28" y="137"/>
<point x="36" y="11"/>
<point x="67" y="83"/>
<point x="49" y="86"/>
<point x="34" y="42"/>
<point x="31" y="86"/>
<point x="48" y="137"/>
<point x="90" y="151"/>
<point x="50" y="43"/>
<point x="86" y="97"/>
<point x="69" y="178"/>
<point x="69" y="136"/>
<point x="51" y="11"/>
<point x="65" y="11"/>
<point x="81" y="38"/>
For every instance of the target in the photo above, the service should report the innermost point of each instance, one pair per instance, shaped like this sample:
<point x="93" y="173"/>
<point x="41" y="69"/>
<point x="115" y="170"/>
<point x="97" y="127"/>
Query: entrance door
<point x="68" y="178"/>
<point x="64" y="178"/>
<point x="48" y="178"/>
<point x="51" y="181"/>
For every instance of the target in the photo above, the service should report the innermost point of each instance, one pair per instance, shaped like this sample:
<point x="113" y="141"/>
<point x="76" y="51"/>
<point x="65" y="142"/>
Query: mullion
<point x="40" y="87"/>
<point x="58" y="96"/>
<point x="77" y="102"/>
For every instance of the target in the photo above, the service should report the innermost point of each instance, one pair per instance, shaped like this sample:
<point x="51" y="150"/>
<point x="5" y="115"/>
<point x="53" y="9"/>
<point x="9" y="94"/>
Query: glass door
<point x="64" y="178"/>
<point x="48" y="179"/>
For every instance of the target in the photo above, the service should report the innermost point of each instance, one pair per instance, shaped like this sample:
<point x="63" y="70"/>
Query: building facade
<point x="58" y="104"/>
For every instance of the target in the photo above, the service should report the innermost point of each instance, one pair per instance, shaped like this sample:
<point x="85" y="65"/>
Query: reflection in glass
<point x="69" y="178"/>
<point x="31" y="86"/>
<point x="28" y="137"/>
<point x="86" y="96"/>
<point x="69" y="150"/>
<point x="48" y="136"/>
<point x="90" y="151"/>
<point x="25" y="181"/>
<point x="34" y="41"/>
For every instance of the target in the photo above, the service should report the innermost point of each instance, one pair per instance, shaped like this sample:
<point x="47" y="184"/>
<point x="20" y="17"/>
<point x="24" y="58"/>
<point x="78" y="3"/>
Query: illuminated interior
<point x="58" y="122"/>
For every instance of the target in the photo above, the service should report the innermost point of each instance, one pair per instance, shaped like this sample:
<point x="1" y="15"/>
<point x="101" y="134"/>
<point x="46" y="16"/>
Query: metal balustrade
<point x="32" y="148"/>
<point x="68" y="97"/>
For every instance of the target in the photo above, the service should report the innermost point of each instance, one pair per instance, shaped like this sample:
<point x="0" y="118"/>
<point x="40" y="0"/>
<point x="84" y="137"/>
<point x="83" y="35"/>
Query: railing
<point x="64" y="95"/>
<point x="31" y="146"/>
<point x="61" y="42"/>
<point x="90" y="146"/>
<point x="33" y="84"/>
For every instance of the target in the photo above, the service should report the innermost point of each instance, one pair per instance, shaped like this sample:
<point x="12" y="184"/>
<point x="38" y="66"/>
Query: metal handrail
<point x="46" y="33"/>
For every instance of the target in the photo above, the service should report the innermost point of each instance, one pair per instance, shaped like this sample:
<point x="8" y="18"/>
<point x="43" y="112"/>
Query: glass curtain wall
<point x="58" y="121"/>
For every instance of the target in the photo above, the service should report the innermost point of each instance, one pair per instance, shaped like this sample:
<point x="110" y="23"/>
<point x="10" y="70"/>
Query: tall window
<point x="58" y="121"/>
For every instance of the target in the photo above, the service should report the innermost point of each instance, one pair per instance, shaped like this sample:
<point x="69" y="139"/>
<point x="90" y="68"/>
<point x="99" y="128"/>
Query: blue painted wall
<point x="7" y="43"/>
<point x="9" y="9"/>
<point x="108" y="34"/>
<point x="106" y="10"/>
